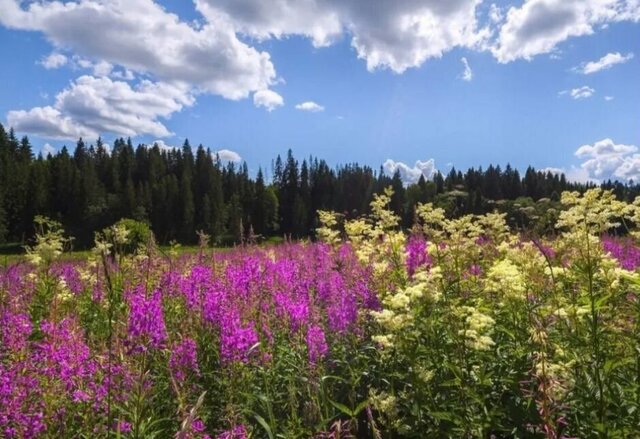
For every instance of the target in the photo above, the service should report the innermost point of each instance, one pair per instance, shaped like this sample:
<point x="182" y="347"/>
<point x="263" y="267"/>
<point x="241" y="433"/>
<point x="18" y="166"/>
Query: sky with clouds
<point x="414" y="85"/>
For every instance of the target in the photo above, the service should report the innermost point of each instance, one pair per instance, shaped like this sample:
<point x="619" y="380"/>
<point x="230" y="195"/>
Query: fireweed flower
<point x="316" y="344"/>
<point x="64" y="354"/>
<point x="627" y="254"/>
<point x="475" y="270"/>
<point x="15" y="330"/>
<point x="146" y="328"/>
<point x="21" y="404"/>
<point x="237" y="432"/>
<point x="70" y="275"/>
<point x="191" y="286"/>
<point x="123" y="427"/>
<point x="236" y="339"/>
<point x="417" y="256"/>
<point x="184" y="359"/>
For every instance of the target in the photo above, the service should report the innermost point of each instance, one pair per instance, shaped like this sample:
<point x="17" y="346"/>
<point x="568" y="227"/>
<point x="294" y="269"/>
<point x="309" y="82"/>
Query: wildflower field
<point x="461" y="328"/>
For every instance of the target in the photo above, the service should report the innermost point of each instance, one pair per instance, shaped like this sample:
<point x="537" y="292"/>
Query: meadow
<point x="458" y="328"/>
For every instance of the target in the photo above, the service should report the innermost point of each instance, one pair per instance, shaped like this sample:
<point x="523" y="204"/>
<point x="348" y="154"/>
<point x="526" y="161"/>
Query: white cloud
<point x="140" y="35"/>
<point x="47" y="149"/>
<point x="128" y="39"/>
<point x="608" y="98"/>
<point x="91" y="106"/>
<point x="607" y="160"/>
<point x="310" y="106"/>
<point x="48" y="122"/>
<point x="572" y="174"/>
<point x="268" y="99"/>
<point x="495" y="13"/>
<point x="125" y="74"/>
<point x="583" y="92"/>
<point x="227" y="155"/>
<point x="98" y="68"/>
<point x="53" y="61"/>
<point x="555" y="171"/>
<point x="538" y="26"/>
<point x="467" y="74"/>
<point x="162" y="145"/>
<point x="604" y="63"/>
<point x="411" y="174"/>
<point x="392" y="34"/>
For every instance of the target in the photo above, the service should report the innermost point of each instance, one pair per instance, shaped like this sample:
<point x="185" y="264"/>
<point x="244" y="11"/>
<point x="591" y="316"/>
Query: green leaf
<point x="343" y="408"/>
<point x="264" y="425"/>
<point x="360" y="407"/>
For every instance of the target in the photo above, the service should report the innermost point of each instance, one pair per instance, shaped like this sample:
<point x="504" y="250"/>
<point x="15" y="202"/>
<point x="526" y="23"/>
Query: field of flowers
<point x="461" y="328"/>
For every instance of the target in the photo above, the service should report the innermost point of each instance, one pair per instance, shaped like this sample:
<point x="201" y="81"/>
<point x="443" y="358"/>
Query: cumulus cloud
<point x="606" y="159"/>
<point x="128" y="39"/>
<point x="227" y="155"/>
<point x="551" y="169"/>
<point x="395" y="34"/>
<point x="538" y="26"/>
<point x="411" y="174"/>
<point x="573" y="174"/>
<point x="604" y="63"/>
<point x="124" y="74"/>
<point x="47" y="149"/>
<point x="48" y="122"/>
<point x="583" y="92"/>
<point x="495" y="13"/>
<point x="608" y="98"/>
<point x="268" y="99"/>
<point x="310" y="106"/>
<point x="53" y="61"/>
<point x="91" y="106"/>
<point x="467" y="74"/>
<point x="162" y="145"/>
<point x="140" y="35"/>
<point x="98" y="68"/>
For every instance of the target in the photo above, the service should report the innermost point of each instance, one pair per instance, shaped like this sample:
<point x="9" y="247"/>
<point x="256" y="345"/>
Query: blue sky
<point x="387" y="82"/>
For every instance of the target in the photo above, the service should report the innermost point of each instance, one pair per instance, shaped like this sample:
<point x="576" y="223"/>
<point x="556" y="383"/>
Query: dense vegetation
<point x="462" y="328"/>
<point x="179" y="192"/>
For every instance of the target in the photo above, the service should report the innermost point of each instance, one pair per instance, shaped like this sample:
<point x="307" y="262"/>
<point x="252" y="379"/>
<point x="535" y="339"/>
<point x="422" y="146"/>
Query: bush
<point x="128" y="234"/>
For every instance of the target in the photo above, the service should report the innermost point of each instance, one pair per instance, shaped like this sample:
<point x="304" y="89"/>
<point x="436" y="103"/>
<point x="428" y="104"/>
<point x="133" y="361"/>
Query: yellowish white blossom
<point x="506" y="278"/>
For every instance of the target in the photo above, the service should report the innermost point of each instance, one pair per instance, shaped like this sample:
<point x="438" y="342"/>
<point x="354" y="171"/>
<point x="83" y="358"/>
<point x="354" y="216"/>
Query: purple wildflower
<point x="184" y="359"/>
<point x="146" y="321"/>
<point x="316" y="344"/>
<point x="237" y="432"/>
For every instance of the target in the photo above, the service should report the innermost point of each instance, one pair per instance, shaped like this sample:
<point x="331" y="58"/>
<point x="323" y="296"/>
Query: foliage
<point x="130" y="234"/>
<point x="183" y="190"/>
<point x="463" y="328"/>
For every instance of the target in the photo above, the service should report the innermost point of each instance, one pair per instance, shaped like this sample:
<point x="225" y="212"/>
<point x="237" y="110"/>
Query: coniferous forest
<point x="181" y="191"/>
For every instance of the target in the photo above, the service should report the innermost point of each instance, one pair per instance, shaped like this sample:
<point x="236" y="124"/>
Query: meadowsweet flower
<point x="477" y="328"/>
<point x="594" y="212"/>
<point x="327" y="231"/>
<point x="384" y="217"/>
<point x="385" y="341"/>
<point x="385" y="403"/>
<point x="505" y="278"/>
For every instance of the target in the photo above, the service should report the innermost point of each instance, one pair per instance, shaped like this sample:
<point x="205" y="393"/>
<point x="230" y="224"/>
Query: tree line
<point x="181" y="191"/>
